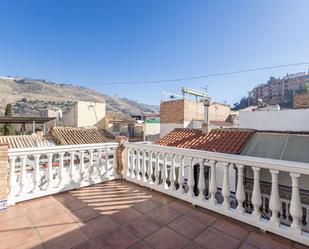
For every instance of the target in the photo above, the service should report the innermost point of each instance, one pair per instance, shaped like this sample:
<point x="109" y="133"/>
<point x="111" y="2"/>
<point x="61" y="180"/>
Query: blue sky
<point x="90" y="43"/>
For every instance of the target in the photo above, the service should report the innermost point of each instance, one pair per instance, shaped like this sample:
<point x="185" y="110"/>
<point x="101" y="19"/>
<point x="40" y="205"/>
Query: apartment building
<point x="276" y="91"/>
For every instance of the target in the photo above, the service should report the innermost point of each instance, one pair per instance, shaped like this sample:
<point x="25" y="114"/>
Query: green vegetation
<point x="8" y="128"/>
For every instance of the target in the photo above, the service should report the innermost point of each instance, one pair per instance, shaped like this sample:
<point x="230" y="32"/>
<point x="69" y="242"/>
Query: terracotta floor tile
<point x="263" y="241"/>
<point x="180" y="206"/>
<point x="143" y="226"/>
<point x="193" y="245"/>
<point x="296" y="245"/>
<point x="13" y="212"/>
<point x="125" y="215"/>
<point x="23" y="238"/>
<point x="187" y="226"/>
<point x="162" y="199"/>
<point x="98" y="225"/>
<point x="89" y="244"/>
<point x="84" y="214"/>
<point x="140" y="245"/>
<point x="119" y="238"/>
<point x="201" y="215"/>
<point x="232" y="227"/>
<point x="214" y="239"/>
<point x="166" y="238"/>
<point x="246" y="246"/>
<point x="147" y="206"/>
<point x="66" y="240"/>
<point x="39" y="203"/>
<point x="164" y="215"/>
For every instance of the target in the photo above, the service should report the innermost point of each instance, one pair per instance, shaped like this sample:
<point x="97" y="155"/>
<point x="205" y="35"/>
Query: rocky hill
<point x="30" y="97"/>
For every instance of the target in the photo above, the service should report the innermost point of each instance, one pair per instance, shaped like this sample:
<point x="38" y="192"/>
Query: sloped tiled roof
<point x="70" y="136"/>
<point x="218" y="140"/>
<point x="26" y="141"/>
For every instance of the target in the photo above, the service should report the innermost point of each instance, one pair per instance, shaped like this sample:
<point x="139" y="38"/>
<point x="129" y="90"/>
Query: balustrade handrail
<point x="274" y="164"/>
<point x="57" y="149"/>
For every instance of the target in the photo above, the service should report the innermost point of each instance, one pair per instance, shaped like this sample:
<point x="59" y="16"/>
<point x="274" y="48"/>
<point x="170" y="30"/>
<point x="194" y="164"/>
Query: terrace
<point x="161" y="201"/>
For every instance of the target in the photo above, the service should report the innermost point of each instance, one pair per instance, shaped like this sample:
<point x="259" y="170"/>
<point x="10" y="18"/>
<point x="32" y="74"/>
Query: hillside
<point x="30" y="97"/>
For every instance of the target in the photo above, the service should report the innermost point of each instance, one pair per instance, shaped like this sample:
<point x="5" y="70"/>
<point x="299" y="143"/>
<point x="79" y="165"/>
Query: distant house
<point x="186" y="113"/>
<point x="120" y="125"/>
<point x="85" y="114"/>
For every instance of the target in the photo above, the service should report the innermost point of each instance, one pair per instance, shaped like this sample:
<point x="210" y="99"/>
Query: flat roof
<point x="22" y="120"/>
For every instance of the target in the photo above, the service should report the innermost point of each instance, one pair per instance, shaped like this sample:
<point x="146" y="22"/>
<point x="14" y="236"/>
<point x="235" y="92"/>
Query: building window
<point x="116" y="127"/>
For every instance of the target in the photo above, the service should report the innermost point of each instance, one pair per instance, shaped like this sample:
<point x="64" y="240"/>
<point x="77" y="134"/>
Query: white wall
<point x="90" y="114"/>
<point x="167" y="128"/>
<point x="85" y="114"/>
<point x="283" y="120"/>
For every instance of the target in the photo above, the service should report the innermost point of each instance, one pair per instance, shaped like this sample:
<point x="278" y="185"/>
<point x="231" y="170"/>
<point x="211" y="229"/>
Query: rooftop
<point x="119" y="214"/>
<point x="70" y="136"/>
<point x="218" y="140"/>
<point x="22" y="120"/>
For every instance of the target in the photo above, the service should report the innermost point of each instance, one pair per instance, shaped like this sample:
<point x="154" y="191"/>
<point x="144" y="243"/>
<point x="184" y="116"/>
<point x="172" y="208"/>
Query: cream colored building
<point x="85" y="114"/>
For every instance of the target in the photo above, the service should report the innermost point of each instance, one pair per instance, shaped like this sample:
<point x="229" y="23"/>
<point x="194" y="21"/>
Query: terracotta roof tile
<point x="70" y="136"/>
<point x="219" y="140"/>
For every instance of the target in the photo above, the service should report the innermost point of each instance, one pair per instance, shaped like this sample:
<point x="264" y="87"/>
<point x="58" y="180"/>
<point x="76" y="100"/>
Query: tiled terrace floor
<point x="119" y="214"/>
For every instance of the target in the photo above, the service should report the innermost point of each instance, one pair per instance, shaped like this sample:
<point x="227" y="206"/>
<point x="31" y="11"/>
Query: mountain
<point x="31" y="96"/>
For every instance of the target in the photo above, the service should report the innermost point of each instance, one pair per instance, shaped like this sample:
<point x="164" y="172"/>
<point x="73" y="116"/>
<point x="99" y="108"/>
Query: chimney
<point x="206" y="125"/>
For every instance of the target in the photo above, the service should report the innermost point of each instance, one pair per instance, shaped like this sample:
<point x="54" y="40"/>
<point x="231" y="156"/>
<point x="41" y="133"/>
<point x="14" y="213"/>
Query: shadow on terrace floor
<point x="119" y="214"/>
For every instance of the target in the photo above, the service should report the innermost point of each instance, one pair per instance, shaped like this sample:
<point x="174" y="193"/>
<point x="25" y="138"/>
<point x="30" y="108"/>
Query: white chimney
<point x="206" y="125"/>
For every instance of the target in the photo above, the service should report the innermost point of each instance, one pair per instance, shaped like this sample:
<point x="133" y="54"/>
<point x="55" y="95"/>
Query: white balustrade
<point x="266" y="212"/>
<point x="181" y="176"/>
<point x="256" y="194"/>
<point x="191" y="178"/>
<point x="274" y="202"/>
<point x="36" y="172"/>
<point x="226" y="186"/>
<point x="240" y="192"/>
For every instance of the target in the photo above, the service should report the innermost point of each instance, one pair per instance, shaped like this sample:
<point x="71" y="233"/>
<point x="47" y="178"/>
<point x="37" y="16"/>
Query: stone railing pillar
<point x="121" y="156"/>
<point x="3" y="176"/>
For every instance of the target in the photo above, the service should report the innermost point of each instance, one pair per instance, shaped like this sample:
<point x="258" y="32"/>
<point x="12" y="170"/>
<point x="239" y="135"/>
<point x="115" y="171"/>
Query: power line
<point x="203" y="76"/>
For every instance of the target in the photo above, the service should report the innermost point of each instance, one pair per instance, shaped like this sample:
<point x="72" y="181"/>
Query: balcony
<point x="120" y="214"/>
<point x="168" y="198"/>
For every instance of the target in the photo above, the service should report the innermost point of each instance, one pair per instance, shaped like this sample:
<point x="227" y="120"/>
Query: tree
<point x="7" y="128"/>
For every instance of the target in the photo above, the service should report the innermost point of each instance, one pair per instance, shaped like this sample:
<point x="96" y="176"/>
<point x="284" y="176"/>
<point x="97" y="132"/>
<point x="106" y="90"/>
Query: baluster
<point x="81" y="166"/>
<point x="144" y="166"/>
<point x="23" y="172"/>
<point x="129" y="164"/>
<point x="201" y="181"/>
<point x="72" y="168"/>
<point x="36" y="174"/>
<point x="49" y="171"/>
<point x="213" y="184"/>
<point x="115" y="162"/>
<point x="226" y="186"/>
<point x="133" y="167"/>
<point x="106" y="163"/>
<point x="90" y="166"/>
<point x="191" y="178"/>
<point x="240" y="192"/>
<point x="181" y="176"/>
<point x="150" y="167"/>
<point x="295" y="206"/>
<point x="61" y="166"/>
<point x="100" y="165"/>
<point x="256" y="194"/>
<point x="12" y="182"/>
<point x="307" y="216"/>
<point x="274" y="202"/>
<point x="157" y="165"/>
<point x="172" y="173"/>
<point x="164" y="172"/>
<point x="138" y="165"/>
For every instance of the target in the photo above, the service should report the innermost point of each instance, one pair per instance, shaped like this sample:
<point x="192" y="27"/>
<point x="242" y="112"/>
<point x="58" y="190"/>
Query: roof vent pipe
<point x="206" y="125"/>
